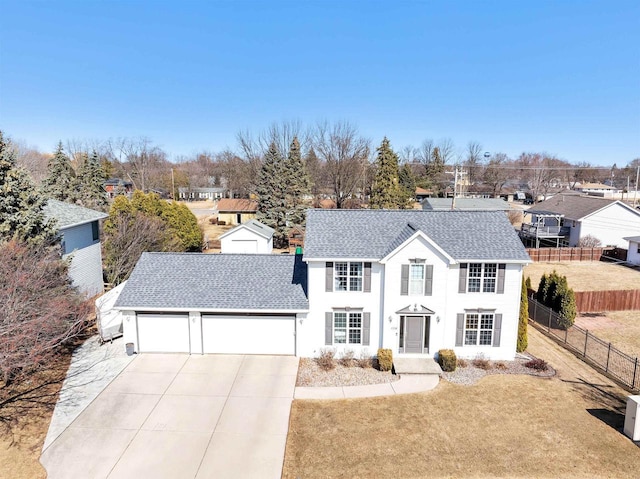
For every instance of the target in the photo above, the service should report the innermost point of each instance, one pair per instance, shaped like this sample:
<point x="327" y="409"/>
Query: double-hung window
<point x="348" y="276"/>
<point x="478" y="329"/>
<point x="416" y="279"/>
<point x="347" y="327"/>
<point x="482" y="277"/>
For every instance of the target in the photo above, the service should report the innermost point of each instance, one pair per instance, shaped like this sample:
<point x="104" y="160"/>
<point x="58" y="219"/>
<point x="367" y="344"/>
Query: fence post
<point x="606" y="369"/>
<point x="566" y="332"/>
<point x="586" y="338"/>
<point x="549" y="323"/>
<point x="635" y="371"/>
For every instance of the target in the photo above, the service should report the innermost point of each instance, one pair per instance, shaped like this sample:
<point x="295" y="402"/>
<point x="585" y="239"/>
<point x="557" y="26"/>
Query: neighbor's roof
<point x="635" y="239"/>
<point x="470" y="204"/>
<point x="216" y="282"/>
<point x="68" y="215"/>
<point x="237" y="205"/>
<point x="255" y="226"/>
<point x="573" y="206"/>
<point x="373" y="234"/>
<point x="595" y="186"/>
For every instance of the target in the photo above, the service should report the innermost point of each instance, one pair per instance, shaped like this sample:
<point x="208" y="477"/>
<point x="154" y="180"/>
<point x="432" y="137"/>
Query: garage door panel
<point x="248" y="334"/>
<point x="163" y="333"/>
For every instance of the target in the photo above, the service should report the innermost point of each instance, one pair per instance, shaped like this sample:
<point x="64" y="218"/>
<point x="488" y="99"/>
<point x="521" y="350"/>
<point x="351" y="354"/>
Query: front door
<point x="413" y="334"/>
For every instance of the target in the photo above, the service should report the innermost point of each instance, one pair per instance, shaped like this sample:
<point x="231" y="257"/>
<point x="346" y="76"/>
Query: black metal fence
<point x="617" y="364"/>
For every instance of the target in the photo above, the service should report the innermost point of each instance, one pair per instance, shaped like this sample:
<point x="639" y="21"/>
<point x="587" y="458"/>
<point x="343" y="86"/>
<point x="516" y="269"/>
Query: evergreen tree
<point x="298" y="185"/>
<point x="271" y="191"/>
<point x="386" y="192"/>
<point x="90" y="184"/>
<point x="60" y="182"/>
<point x="21" y="207"/>
<point x="408" y="185"/>
<point x="523" y="340"/>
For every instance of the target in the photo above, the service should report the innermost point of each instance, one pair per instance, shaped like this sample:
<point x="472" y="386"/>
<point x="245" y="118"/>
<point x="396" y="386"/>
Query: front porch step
<point x="416" y="366"/>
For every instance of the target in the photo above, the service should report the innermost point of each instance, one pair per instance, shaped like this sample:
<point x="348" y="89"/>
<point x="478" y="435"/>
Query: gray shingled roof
<point x="572" y="206"/>
<point x="216" y="282"/>
<point x="68" y="215"/>
<point x="255" y="226"/>
<point x="481" y="204"/>
<point x="372" y="234"/>
<point x="635" y="239"/>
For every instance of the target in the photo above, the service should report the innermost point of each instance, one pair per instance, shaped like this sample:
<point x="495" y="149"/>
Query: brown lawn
<point x="504" y="426"/>
<point x="587" y="275"/>
<point x="621" y="328"/>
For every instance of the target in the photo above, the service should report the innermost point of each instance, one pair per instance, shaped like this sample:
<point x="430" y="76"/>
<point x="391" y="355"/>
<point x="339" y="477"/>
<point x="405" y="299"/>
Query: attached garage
<point x="249" y="334"/>
<point x="163" y="333"/>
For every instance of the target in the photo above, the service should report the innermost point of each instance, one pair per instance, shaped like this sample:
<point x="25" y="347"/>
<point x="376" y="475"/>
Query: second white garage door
<point x="249" y="334"/>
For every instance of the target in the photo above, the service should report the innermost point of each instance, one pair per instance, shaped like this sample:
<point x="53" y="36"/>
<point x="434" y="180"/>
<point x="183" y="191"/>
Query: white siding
<point x="243" y="240"/>
<point x="633" y="254"/>
<point x="611" y="224"/>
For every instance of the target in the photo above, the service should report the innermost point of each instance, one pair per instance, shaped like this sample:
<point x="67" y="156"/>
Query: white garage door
<point x="163" y="333"/>
<point x="249" y="334"/>
<point x="244" y="246"/>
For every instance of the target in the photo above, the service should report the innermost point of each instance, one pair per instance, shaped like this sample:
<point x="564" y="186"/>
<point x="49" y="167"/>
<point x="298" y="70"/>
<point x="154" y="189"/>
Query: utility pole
<point x="173" y="187"/>
<point x="635" y="193"/>
<point x="455" y="189"/>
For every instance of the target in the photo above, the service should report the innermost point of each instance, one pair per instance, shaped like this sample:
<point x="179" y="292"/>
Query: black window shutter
<point x="497" y="327"/>
<point x="367" y="278"/>
<point x="328" y="329"/>
<point x="366" y="328"/>
<point x="462" y="281"/>
<point x="428" y="280"/>
<point x="501" y="272"/>
<point x="328" y="277"/>
<point x="460" y="329"/>
<point x="404" y="280"/>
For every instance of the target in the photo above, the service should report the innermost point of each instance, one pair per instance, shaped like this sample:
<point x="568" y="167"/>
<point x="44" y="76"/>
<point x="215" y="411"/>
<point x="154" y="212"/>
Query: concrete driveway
<point x="180" y="416"/>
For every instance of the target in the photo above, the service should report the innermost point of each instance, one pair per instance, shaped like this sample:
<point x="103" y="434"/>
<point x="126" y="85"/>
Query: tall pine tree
<point x="386" y="192"/>
<point x="21" y="207"/>
<point x="407" y="186"/>
<point x="60" y="182"/>
<point x="90" y="184"/>
<point x="271" y="190"/>
<point x="298" y="185"/>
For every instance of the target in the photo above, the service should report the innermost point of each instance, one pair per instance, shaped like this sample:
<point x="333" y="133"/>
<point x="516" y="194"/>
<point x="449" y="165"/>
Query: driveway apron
<point x="180" y="416"/>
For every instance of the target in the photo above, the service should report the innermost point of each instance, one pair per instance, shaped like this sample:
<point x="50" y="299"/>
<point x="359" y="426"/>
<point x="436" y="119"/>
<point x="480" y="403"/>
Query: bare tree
<point x="495" y="174"/>
<point x="409" y="154"/>
<point x="40" y="311"/>
<point x="425" y="152"/>
<point x="447" y="151"/>
<point x="473" y="161"/>
<point x="541" y="170"/>
<point x="346" y="155"/>
<point x="32" y="160"/>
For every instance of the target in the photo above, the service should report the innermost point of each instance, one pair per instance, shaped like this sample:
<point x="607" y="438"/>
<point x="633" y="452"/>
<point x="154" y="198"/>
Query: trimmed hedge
<point x="447" y="360"/>
<point x="385" y="359"/>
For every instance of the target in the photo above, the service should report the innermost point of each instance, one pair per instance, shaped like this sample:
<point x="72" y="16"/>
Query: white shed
<point x="633" y="252"/>
<point x="251" y="237"/>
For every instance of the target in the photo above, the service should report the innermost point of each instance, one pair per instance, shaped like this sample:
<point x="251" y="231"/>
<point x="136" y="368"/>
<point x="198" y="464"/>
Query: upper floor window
<point x="482" y="278"/>
<point x="416" y="279"/>
<point x="348" y="276"/>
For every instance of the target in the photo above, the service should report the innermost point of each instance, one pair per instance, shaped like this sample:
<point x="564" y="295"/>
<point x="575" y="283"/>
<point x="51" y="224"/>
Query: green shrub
<point x="447" y="360"/>
<point x="385" y="359"/>
<point x="528" y="282"/>
<point x="523" y="340"/>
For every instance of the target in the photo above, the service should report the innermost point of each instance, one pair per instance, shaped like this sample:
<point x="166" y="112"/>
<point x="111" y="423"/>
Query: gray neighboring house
<point x="204" y="303"/>
<point x="79" y="229"/>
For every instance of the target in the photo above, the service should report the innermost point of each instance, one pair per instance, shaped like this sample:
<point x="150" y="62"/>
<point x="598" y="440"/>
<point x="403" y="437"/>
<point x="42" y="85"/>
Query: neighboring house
<point x="236" y="211"/>
<point x="201" y="194"/>
<point x="79" y="229"/>
<point x="410" y="281"/>
<point x="567" y="218"/>
<point x="250" y="237"/>
<point x="296" y="236"/>
<point x="116" y="186"/>
<point x="465" y="204"/>
<point x="633" y="251"/>
<point x="214" y="303"/>
<point x="421" y="194"/>
<point x="597" y="189"/>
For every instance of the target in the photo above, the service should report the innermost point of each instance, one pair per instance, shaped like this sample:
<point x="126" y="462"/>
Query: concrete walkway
<point x="182" y="416"/>
<point x="407" y="384"/>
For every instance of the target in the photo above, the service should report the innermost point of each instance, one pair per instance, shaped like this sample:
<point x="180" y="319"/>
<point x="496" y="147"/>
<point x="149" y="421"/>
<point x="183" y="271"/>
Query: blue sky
<point x="555" y="76"/>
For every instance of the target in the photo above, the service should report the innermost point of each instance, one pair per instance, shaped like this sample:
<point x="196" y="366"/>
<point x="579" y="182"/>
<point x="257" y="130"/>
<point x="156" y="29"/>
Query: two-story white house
<point x="411" y="281"/>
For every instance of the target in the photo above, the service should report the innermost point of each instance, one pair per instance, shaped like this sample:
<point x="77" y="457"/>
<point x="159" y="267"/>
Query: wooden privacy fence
<point x="621" y="367"/>
<point x="595" y="301"/>
<point x="566" y="254"/>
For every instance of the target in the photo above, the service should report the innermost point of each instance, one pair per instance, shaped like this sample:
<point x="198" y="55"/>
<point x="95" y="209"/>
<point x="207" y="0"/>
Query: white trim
<point x="145" y="309"/>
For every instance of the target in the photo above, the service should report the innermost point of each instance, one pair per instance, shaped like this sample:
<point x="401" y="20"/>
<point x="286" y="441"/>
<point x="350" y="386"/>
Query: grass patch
<point x="505" y="426"/>
<point x="587" y="275"/>
<point x="624" y="333"/>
